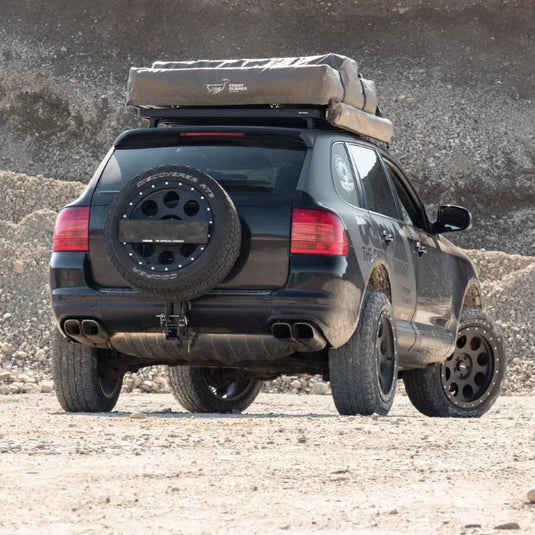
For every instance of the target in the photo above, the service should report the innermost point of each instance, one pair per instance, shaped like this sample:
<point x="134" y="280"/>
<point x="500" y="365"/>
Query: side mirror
<point x="451" y="219"/>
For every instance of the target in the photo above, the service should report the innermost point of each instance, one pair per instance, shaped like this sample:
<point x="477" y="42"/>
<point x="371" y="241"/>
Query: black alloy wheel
<point x="467" y="374"/>
<point x="224" y="387"/>
<point x="468" y="382"/>
<point x="386" y="357"/>
<point x="168" y="201"/>
<point x="216" y="390"/>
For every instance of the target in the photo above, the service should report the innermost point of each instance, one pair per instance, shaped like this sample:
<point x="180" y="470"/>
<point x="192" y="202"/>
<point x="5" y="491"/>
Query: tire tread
<point x="75" y="376"/>
<point x="351" y="367"/>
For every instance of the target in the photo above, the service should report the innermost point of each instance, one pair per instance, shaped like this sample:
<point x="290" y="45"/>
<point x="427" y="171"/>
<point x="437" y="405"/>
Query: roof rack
<point x="295" y="116"/>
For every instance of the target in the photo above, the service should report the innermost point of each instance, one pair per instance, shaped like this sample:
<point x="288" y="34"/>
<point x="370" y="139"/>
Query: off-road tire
<point x="79" y="383"/>
<point x="174" y="271"/>
<point x="438" y="389"/>
<point x="360" y="385"/>
<point x="193" y="387"/>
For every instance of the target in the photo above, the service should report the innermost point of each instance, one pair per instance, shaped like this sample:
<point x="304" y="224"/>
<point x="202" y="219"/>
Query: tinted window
<point x="342" y="173"/>
<point x="411" y="211"/>
<point x="266" y="170"/>
<point x="376" y="187"/>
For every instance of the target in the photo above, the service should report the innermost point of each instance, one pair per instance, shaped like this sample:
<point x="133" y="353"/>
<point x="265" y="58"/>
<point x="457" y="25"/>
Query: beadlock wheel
<point x="173" y="233"/>
<point x="466" y="384"/>
<point x="469" y="375"/>
<point x="172" y="201"/>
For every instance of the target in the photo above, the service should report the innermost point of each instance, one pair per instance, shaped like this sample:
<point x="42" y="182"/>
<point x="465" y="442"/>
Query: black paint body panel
<point x="268" y="284"/>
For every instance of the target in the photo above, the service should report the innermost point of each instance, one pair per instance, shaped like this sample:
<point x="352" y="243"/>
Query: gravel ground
<point x="289" y="465"/>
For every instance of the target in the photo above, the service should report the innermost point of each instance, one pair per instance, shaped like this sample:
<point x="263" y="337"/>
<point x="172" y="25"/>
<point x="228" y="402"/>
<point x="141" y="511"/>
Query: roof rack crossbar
<point x="169" y="115"/>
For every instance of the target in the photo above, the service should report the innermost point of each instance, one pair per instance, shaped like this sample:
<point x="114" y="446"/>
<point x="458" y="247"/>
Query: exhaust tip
<point x="281" y="330"/>
<point x="303" y="331"/>
<point x="90" y="328"/>
<point x="72" y="327"/>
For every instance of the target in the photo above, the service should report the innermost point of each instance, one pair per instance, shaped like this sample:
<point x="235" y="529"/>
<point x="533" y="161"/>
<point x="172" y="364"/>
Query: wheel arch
<point x="472" y="296"/>
<point x="379" y="281"/>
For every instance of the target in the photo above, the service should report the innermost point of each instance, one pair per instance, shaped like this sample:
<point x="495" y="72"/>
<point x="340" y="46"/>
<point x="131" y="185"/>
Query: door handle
<point x="387" y="237"/>
<point x="420" y="249"/>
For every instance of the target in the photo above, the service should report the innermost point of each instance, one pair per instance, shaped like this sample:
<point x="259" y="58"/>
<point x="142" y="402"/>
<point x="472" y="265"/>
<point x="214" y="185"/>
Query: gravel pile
<point x="462" y="107"/>
<point x="26" y="226"/>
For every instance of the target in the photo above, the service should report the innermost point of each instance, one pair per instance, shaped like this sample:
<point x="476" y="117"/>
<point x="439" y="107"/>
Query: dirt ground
<point x="289" y="465"/>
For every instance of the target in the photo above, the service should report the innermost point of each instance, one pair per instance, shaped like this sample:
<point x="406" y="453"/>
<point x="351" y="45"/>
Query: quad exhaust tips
<point x="88" y="332"/>
<point x="303" y="335"/>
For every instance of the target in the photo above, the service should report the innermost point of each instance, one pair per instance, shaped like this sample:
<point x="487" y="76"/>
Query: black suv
<point x="239" y="248"/>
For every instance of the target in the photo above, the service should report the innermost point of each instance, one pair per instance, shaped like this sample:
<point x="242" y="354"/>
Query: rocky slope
<point x="456" y="78"/>
<point x="26" y="226"/>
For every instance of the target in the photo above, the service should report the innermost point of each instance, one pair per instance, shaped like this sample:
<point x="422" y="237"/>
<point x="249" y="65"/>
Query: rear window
<point x="241" y="165"/>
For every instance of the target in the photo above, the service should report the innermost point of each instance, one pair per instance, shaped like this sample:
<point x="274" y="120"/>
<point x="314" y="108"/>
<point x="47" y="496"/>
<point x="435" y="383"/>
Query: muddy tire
<point x="173" y="233"/>
<point x="215" y="390"/>
<point x="467" y="384"/>
<point x="363" y="372"/>
<point x="80" y="384"/>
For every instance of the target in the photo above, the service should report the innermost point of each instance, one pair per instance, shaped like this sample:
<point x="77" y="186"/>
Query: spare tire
<point x="173" y="233"/>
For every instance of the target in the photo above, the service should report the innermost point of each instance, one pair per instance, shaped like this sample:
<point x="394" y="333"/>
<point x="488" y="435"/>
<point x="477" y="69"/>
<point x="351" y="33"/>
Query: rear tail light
<point x="318" y="232"/>
<point x="72" y="229"/>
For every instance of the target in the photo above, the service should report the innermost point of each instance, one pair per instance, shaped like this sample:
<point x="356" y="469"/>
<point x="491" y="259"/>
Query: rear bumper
<point x="323" y="291"/>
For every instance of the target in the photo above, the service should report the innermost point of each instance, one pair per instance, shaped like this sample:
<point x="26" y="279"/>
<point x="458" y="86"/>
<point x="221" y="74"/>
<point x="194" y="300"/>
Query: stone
<point x="147" y="386"/>
<point x="508" y="525"/>
<point x="531" y="495"/>
<point x="15" y="388"/>
<point x="7" y="349"/>
<point x="318" y="389"/>
<point x="45" y="387"/>
<point x="138" y="416"/>
<point x="18" y="267"/>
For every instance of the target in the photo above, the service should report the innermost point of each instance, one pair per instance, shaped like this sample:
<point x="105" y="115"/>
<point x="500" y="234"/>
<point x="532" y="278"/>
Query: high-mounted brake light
<point x="212" y="134"/>
<point x="318" y="232"/>
<point x="72" y="229"/>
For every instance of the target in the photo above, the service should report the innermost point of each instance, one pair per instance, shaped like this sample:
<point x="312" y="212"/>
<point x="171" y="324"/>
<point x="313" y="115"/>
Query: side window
<point x="410" y="209"/>
<point x="344" y="180"/>
<point x="376" y="187"/>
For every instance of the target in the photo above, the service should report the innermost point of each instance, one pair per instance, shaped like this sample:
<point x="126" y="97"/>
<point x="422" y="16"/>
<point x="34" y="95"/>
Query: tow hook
<point x="176" y="326"/>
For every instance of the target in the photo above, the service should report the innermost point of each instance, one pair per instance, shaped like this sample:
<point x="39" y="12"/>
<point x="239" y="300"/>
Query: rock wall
<point x="455" y="77"/>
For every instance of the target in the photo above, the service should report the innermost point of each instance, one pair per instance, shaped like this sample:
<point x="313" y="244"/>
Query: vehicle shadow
<point x="195" y="416"/>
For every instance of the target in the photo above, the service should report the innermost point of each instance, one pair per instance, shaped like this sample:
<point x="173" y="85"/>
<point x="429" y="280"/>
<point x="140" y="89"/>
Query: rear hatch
<point x="259" y="169"/>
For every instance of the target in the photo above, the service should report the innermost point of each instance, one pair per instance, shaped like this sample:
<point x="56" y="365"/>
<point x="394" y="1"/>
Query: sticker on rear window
<point x="344" y="173"/>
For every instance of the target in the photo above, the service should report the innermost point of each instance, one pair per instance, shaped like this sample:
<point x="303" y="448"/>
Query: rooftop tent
<point x="331" y="81"/>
